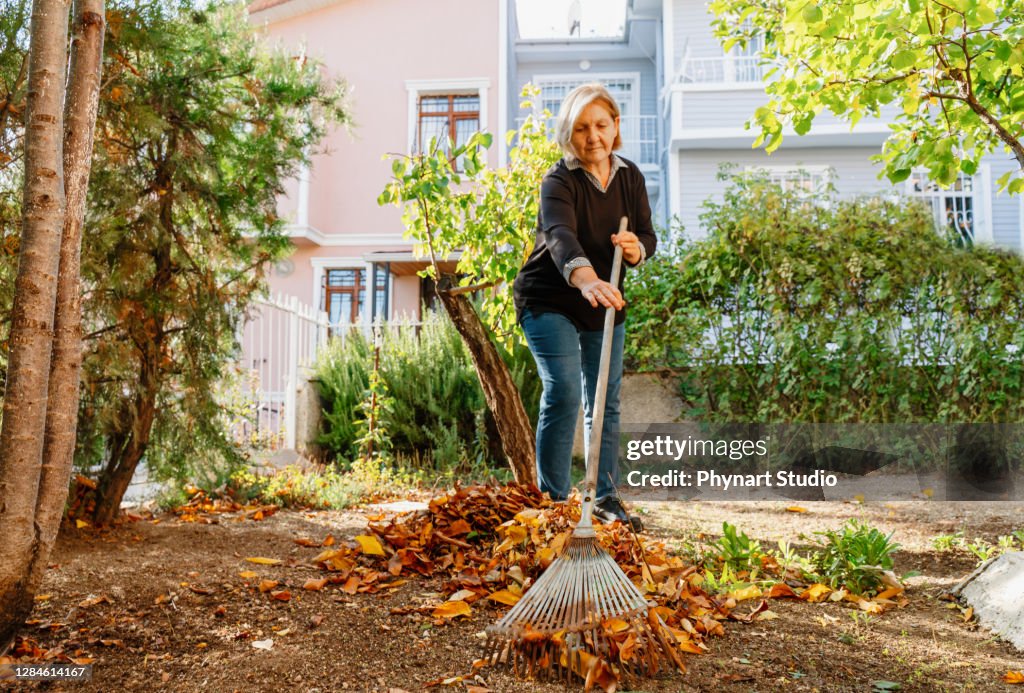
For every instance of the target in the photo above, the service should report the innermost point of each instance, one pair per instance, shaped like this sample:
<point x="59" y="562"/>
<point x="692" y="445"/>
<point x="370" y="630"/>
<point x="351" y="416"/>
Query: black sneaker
<point x="610" y="510"/>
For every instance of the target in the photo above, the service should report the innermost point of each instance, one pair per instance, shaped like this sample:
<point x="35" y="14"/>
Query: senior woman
<point x="561" y="291"/>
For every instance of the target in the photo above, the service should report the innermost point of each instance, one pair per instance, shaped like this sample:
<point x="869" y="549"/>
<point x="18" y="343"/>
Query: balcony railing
<point x="639" y="137"/>
<point x="726" y="69"/>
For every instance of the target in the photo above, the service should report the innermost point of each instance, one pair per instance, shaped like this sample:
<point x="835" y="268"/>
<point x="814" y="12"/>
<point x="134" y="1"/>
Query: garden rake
<point x="584" y="609"/>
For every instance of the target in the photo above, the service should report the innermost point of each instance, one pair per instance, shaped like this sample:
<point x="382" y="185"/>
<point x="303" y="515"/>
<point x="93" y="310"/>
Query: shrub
<point x="435" y="412"/>
<point x="854" y="557"/>
<point x="843" y="310"/>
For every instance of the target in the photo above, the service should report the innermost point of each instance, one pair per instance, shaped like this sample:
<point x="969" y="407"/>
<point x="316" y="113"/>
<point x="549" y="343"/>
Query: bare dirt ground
<point x="181" y="618"/>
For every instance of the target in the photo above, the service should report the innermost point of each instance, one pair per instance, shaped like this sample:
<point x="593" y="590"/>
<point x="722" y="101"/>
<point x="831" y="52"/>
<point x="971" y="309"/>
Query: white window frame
<point x="981" y="200"/>
<point x="603" y="77"/>
<point x="821" y="171"/>
<point x="320" y="266"/>
<point x="415" y="88"/>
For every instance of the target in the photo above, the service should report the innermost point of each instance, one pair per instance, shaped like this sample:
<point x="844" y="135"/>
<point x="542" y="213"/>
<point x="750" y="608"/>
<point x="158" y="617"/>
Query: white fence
<point x="279" y="343"/>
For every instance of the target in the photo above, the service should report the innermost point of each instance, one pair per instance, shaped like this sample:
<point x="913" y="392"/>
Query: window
<point x="445" y="108"/>
<point x="554" y="88"/>
<point x="447" y="117"/>
<point x="807" y="181"/>
<point x="344" y="294"/>
<point x="953" y="208"/>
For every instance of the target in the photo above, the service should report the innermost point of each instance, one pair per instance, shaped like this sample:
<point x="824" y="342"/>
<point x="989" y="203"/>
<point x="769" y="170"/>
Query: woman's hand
<point x="630" y="246"/>
<point x="596" y="290"/>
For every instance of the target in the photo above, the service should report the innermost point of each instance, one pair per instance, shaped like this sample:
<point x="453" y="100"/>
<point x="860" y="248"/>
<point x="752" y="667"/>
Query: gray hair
<point x="572" y="106"/>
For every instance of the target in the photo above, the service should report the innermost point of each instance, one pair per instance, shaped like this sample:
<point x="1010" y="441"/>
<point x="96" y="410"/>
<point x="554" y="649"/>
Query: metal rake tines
<point x="567" y="622"/>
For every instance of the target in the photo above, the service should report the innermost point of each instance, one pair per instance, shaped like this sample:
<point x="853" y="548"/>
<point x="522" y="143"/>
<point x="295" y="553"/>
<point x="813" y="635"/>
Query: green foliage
<point x="328" y="488"/>
<point x="854" y="557"/>
<point x="840" y="310"/>
<point x="737" y="550"/>
<point x="980" y="548"/>
<point x="434" y="410"/>
<point x="950" y="73"/>
<point x="488" y="214"/>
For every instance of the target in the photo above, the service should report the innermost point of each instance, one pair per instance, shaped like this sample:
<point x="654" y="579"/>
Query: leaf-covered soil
<point x="179" y="615"/>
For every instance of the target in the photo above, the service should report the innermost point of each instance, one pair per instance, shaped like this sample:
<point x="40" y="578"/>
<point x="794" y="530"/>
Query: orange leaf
<point x="452" y="610"/>
<point x="796" y="509"/>
<point x="267" y="585"/>
<point x="351" y="585"/>
<point x="780" y="591"/>
<point x="281" y="595"/>
<point x="1013" y="677"/>
<point x="504" y="597"/>
<point x="815" y="593"/>
<point x="314" y="585"/>
<point x="247" y="574"/>
<point x="615" y="625"/>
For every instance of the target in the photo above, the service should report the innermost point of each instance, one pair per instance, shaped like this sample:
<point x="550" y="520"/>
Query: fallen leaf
<point x="452" y="610"/>
<point x="264" y="561"/>
<point x="263" y="644"/>
<point x="780" y="590"/>
<point x="42" y="597"/>
<point x="504" y="597"/>
<point x="316" y="621"/>
<point x="1014" y="677"/>
<point x="766" y="616"/>
<point x="314" y="585"/>
<point x="889" y="593"/>
<point x="247" y="574"/>
<point x="281" y="595"/>
<point x="815" y="593"/>
<point x="81" y="524"/>
<point x="303" y="541"/>
<point x="220" y="612"/>
<point x="93" y="601"/>
<point x="351" y="585"/>
<point x="267" y="585"/>
<point x="370" y="545"/>
<point x="462" y="595"/>
<point x="751" y="592"/>
<point x="968" y="613"/>
<point x="796" y="509"/>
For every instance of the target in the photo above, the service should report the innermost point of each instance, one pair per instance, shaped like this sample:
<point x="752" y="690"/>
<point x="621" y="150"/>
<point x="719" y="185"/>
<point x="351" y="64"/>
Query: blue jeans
<point x="567" y="362"/>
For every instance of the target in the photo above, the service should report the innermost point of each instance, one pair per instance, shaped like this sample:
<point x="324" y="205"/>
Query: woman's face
<point x="593" y="134"/>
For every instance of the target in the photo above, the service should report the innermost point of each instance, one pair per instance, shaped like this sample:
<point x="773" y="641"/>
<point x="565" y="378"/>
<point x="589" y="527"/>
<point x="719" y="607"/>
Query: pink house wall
<point x="378" y="47"/>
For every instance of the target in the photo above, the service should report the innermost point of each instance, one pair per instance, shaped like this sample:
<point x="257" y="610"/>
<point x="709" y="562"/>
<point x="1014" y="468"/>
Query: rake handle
<point x="585" y="527"/>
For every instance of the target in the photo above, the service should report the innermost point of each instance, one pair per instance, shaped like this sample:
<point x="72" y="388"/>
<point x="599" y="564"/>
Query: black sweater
<point x="576" y="219"/>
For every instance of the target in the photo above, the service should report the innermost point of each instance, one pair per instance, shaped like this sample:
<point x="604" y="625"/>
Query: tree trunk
<point x="499" y="390"/>
<point x="126" y="450"/>
<point x="65" y="368"/>
<point x="31" y="335"/>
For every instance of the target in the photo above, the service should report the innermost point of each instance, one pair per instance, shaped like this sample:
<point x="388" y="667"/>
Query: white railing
<point x="725" y="69"/>
<point x="639" y="137"/>
<point x="279" y="343"/>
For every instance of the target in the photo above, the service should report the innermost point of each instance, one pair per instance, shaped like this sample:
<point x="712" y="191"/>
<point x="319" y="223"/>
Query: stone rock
<point x="996" y="591"/>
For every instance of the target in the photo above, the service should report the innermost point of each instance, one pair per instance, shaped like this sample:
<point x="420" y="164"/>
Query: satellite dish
<point x="575" y="13"/>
